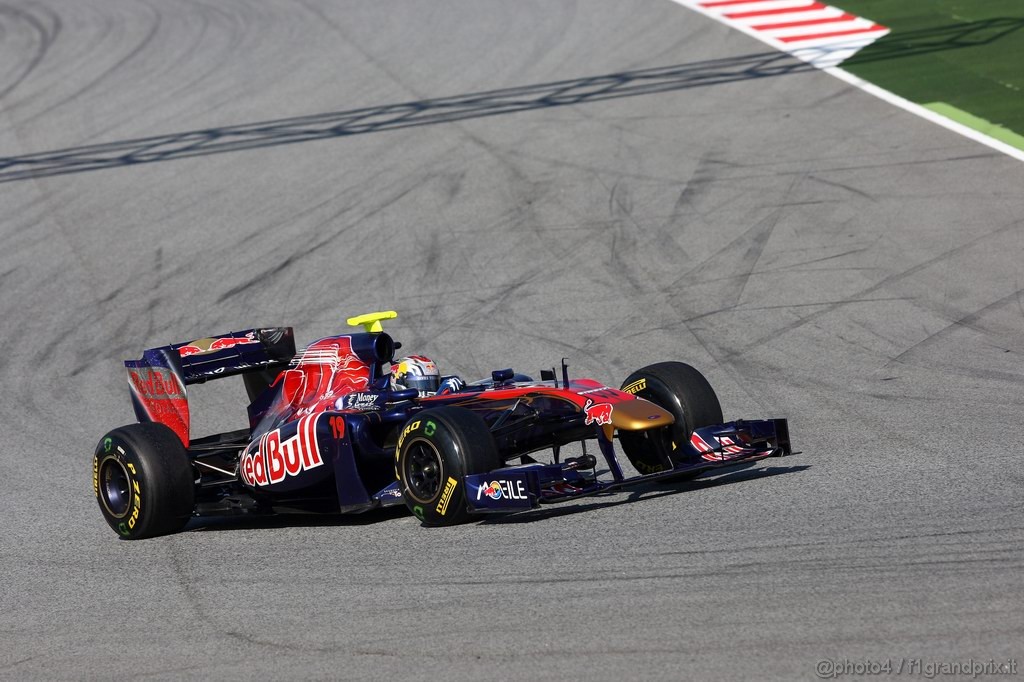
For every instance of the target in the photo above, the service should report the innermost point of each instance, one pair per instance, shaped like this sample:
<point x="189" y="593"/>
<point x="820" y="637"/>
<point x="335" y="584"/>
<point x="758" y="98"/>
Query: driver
<point x="419" y="372"/>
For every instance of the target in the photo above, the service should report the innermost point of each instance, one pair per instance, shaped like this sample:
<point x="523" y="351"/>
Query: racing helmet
<point x="416" y="371"/>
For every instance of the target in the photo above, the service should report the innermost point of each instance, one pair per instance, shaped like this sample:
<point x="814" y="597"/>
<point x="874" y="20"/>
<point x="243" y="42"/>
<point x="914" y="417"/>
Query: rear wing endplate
<point x="158" y="380"/>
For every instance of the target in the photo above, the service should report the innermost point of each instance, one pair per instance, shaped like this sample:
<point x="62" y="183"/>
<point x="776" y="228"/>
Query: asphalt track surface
<point x="615" y="182"/>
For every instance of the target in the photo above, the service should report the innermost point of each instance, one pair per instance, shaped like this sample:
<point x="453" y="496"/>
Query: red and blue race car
<point x="339" y="428"/>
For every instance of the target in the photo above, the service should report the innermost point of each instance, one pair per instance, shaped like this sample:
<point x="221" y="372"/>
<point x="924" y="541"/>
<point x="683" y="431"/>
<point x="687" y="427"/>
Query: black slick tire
<point x="143" y="481"/>
<point x="436" y="448"/>
<point x="683" y="391"/>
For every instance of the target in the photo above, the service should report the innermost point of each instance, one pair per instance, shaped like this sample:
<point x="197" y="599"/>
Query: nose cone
<point x="639" y="415"/>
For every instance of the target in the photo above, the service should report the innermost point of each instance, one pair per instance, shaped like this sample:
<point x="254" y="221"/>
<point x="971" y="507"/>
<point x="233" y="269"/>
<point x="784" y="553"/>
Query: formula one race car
<point x="338" y="428"/>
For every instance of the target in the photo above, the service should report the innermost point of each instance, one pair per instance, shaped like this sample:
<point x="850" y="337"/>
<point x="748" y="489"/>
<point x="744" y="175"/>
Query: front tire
<point x="435" y="450"/>
<point x="143" y="481"/>
<point x="683" y="391"/>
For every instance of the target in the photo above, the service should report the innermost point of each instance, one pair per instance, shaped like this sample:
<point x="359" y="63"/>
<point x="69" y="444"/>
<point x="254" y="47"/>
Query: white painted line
<point x="925" y="113"/>
<point x="829" y="55"/>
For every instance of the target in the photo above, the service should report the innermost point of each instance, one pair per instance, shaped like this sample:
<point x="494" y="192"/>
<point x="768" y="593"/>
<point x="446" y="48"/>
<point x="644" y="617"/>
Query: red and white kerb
<point x="814" y="32"/>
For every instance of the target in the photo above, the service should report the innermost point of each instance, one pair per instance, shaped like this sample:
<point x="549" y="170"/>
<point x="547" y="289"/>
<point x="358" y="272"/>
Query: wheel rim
<point x="115" y="487"/>
<point x="423" y="470"/>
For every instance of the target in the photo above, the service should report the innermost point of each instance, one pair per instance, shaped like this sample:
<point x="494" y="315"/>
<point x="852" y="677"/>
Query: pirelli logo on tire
<point x="446" y="496"/>
<point x="635" y="387"/>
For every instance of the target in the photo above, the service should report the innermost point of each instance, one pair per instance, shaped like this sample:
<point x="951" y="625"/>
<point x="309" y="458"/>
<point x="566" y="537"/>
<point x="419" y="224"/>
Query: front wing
<point x="528" y="485"/>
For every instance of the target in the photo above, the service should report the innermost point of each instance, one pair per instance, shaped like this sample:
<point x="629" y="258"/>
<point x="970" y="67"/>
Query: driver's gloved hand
<point x="451" y="384"/>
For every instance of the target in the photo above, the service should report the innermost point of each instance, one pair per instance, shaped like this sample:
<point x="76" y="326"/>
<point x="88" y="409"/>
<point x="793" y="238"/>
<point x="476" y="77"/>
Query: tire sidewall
<point x="646" y="450"/>
<point x="112" y="454"/>
<point x="658" y="392"/>
<point x="678" y="388"/>
<point x="447" y="433"/>
<point x="160" y="494"/>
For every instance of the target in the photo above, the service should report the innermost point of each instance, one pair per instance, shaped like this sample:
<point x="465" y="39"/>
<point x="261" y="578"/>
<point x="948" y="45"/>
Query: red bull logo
<point x="210" y="345"/>
<point x="274" y="459"/>
<point x="160" y="394"/>
<point x="597" y="413"/>
<point x="156" y="383"/>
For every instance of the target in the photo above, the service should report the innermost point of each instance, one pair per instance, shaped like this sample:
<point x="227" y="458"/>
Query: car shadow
<point x="233" y="523"/>
<point x="967" y="34"/>
<point x="512" y="100"/>
<point x="641" y="493"/>
<point x="424" y="112"/>
<point x="647" y="491"/>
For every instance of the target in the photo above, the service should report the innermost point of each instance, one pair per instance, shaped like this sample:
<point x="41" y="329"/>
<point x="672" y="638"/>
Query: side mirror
<point x="500" y="376"/>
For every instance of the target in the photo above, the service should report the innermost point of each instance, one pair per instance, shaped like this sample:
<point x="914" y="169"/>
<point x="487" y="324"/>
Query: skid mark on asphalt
<point x="799" y="266"/>
<point x="204" y="38"/>
<point x="518" y="176"/>
<point x="624" y="231"/>
<point x="421" y="112"/>
<point x="967" y="321"/>
<point x="209" y="627"/>
<point x="848" y="188"/>
<point x="695" y="188"/>
<point x="106" y="73"/>
<point x="315" y="237"/>
<point x="15" y="664"/>
<point x="864" y="294"/>
<point x="45" y="30"/>
<point x="790" y="306"/>
<point x="186" y="584"/>
<point x="739" y="257"/>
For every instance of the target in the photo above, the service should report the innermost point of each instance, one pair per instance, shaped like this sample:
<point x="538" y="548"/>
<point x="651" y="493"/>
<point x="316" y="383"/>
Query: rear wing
<point x="157" y="382"/>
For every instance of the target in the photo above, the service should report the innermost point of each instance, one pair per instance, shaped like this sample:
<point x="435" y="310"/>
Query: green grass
<point x="967" y="53"/>
<point x="993" y="130"/>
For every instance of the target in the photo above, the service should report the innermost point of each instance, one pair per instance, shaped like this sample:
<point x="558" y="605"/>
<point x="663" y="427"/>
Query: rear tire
<point x="683" y="391"/>
<point x="435" y="450"/>
<point x="143" y="481"/>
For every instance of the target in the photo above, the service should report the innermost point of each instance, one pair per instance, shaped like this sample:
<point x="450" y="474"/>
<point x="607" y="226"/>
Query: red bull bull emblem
<point x="201" y="346"/>
<point x="273" y="460"/>
<point x="597" y="413"/>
